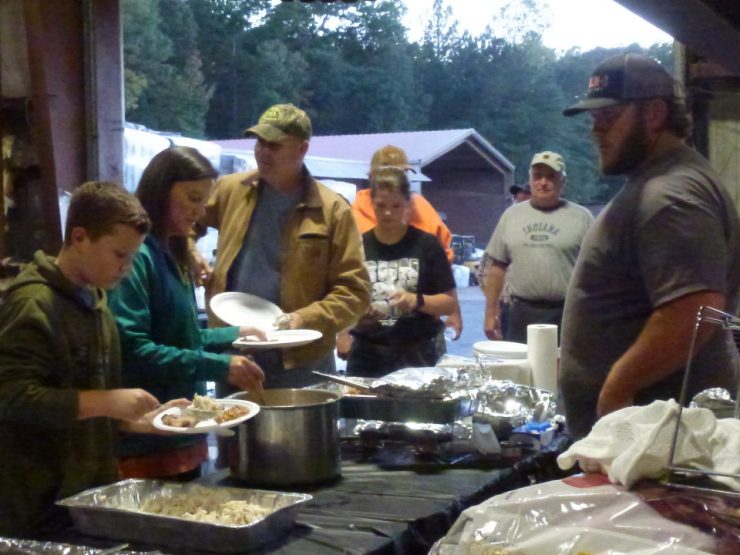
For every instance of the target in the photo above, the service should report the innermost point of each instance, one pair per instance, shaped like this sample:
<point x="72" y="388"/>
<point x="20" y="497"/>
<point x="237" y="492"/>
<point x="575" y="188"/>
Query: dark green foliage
<point x="208" y="68"/>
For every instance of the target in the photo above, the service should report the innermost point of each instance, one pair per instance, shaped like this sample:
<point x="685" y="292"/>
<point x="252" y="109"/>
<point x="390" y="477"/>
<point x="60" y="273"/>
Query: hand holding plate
<point x="254" y="331"/>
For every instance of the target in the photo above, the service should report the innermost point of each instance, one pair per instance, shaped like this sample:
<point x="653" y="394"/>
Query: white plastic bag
<point x="563" y="518"/>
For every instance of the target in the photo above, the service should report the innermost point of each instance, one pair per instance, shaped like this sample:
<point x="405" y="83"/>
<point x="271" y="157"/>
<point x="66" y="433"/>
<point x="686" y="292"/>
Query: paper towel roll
<point x="542" y="353"/>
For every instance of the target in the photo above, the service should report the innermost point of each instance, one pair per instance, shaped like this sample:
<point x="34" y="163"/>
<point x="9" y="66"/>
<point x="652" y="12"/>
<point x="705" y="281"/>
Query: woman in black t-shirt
<point x="412" y="286"/>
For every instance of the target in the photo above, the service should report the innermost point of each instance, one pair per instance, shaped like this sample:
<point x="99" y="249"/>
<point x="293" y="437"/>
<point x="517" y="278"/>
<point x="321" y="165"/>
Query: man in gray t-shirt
<point x="666" y="245"/>
<point x="534" y="249"/>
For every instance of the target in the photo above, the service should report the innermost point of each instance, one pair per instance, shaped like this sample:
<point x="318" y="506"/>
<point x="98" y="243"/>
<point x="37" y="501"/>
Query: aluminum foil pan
<point x="424" y="382"/>
<point x="506" y="405"/>
<point x="116" y="511"/>
<point x="12" y="546"/>
<point x="717" y="399"/>
<point x="404" y="431"/>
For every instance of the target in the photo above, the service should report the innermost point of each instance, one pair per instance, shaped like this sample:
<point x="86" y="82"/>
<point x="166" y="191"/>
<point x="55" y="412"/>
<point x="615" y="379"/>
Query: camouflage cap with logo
<point x="279" y="121"/>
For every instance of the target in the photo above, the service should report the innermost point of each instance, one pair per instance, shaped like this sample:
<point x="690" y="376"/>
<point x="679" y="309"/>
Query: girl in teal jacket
<point x="163" y="348"/>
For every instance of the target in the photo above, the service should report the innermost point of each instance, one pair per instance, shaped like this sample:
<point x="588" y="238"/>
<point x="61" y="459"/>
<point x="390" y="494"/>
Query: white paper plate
<point x="278" y="339"/>
<point x="209" y="425"/>
<point x="243" y="309"/>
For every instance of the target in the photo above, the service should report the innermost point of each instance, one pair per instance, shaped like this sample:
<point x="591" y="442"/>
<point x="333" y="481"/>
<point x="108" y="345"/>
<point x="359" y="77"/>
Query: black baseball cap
<point x="625" y="77"/>
<point x="514" y="189"/>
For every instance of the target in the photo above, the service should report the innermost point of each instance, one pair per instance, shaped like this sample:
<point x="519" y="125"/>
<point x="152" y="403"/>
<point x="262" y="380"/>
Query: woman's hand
<point x="403" y="300"/>
<point x="454" y="321"/>
<point x="245" y="374"/>
<point x="250" y="330"/>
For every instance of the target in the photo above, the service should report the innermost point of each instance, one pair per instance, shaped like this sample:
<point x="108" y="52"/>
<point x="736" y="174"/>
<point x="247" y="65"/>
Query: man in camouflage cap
<point x="287" y="238"/>
<point x="280" y="121"/>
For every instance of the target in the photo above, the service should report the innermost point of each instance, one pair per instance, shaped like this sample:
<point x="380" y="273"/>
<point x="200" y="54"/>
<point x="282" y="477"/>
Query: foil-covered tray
<point x="425" y="394"/>
<point x="427" y="382"/>
<point x="116" y="511"/>
<point x="399" y="409"/>
<point x="718" y="400"/>
<point x="505" y="405"/>
<point x="14" y="546"/>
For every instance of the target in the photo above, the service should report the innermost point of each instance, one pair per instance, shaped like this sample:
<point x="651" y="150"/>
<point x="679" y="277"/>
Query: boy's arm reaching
<point x="121" y="404"/>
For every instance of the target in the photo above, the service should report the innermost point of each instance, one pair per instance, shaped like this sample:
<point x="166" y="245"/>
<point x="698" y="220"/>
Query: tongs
<point x="346" y="381"/>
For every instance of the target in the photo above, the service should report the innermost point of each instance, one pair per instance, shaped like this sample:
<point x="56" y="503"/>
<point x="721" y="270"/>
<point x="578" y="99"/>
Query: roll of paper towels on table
<point x="542" y="353"/>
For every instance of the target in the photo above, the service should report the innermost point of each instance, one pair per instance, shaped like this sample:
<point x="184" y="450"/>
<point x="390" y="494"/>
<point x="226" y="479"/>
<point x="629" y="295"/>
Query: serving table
<point x="374" y="510"/>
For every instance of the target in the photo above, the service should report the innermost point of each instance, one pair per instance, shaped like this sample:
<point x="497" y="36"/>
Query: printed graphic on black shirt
<point x="389" y="276"/>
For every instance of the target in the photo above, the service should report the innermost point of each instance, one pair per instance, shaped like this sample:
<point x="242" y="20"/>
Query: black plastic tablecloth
<point x="371" y="510"/>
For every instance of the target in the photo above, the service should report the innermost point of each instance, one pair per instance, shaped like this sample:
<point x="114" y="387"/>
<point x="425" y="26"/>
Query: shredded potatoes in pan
<point x="203" y="505"/>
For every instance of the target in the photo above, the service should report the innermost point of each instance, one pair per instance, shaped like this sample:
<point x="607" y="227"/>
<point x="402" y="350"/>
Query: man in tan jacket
<point x="287" y="238"/>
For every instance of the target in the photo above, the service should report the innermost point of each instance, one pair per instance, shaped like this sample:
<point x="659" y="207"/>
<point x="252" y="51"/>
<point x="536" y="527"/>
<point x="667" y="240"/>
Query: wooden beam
<point x="104" y="89"/>
<point x="76" y="74"/>
<point x="54" y="33"/>
<point x="702" y="26"/>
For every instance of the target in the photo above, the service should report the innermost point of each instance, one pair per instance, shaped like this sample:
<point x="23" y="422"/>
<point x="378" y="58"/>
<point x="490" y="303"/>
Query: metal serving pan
<point x="400" y="409"/>
<point x="114" y="511"/>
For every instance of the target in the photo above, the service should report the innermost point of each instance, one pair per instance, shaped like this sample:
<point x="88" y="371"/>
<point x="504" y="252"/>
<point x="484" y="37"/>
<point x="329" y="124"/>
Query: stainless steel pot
<point x="294" y="439"/>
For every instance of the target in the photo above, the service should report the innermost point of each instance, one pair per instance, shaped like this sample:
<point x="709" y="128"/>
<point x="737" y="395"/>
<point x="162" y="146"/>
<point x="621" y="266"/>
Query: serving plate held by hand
<point x="278" y="339"/>
<point x="243" y="309"/>
<point x="207" y="425"/>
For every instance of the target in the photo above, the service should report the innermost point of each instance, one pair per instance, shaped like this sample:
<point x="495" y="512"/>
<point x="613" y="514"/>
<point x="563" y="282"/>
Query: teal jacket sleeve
<point x="165" y="349"/>
<point x="219" y="338"/>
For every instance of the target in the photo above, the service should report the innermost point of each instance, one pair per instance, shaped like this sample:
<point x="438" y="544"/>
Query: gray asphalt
<point x="472" y="304"/>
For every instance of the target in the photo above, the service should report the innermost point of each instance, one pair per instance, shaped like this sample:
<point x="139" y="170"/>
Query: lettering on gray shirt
<point x="540" y="248"/>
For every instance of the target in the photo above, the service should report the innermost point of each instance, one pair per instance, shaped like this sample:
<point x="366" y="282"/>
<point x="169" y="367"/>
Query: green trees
<point x="164" y="85"/>
<point x="208" y="68"/>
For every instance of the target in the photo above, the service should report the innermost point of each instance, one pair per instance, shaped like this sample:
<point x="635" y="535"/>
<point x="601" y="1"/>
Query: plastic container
<point x="504" y="360"/>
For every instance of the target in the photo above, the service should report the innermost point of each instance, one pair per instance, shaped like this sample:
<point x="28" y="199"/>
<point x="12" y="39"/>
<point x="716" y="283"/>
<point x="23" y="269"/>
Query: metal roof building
<point x="459" y="172"/>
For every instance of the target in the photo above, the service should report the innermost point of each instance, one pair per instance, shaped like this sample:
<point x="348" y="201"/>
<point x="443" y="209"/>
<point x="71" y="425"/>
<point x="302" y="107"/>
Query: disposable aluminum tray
<point x="400" y="409"/>
<point x="114" y="511"/>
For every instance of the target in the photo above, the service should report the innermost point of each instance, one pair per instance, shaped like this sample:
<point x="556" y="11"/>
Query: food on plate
<point x="230" y="414"/>
<point x="354" y="391"/>
<point x="178" y="421"/>
<point x="203" y="410"/>
<point x="254" y="338"/>
<point x="201" y="402"/>
<point x="204" y="505"/>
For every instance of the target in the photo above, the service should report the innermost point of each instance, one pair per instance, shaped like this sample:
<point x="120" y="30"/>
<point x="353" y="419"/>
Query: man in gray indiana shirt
<point x="666" y="245"/>
<point x="533" y="251"/>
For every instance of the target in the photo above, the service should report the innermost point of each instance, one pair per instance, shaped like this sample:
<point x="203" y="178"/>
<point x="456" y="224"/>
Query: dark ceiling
<point x="710" y="28"/>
